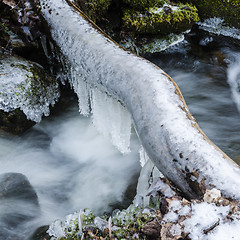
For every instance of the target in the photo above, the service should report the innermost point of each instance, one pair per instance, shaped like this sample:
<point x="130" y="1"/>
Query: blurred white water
<point x="233" y="74"/>
<point x="71" y="166"/>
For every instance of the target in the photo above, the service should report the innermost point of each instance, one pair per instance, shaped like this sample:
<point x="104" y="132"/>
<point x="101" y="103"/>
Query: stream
<point x="71" y="166"/>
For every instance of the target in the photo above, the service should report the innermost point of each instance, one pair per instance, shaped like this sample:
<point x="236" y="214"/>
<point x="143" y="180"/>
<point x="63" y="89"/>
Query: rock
<point x="16" y="186"/>
<point x="40" y="234"/>
<point x="226" y="9"/>
<point x="26" y="93"/>
<point x="94" y="9"/>
<point x="18" y="200"/>
<point x="161" y="20"/>
<point x="142" y="4"/>
<point x="14" y="122"/>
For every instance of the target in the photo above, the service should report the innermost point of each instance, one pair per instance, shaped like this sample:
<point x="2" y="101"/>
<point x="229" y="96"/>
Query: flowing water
<point x="71" y="166"/>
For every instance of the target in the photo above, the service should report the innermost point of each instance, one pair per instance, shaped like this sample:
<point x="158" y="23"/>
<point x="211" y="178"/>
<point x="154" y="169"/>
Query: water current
<point x="71" y="166"/>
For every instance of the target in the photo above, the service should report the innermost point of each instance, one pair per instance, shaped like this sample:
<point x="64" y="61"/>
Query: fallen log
<point x="168" y="132"/>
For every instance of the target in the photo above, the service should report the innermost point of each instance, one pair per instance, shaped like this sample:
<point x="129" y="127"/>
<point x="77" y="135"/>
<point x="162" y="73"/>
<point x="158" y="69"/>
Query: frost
<point x="56" y="229"/>
<point x="21" y="87"/>
<point x="100" y="223"/>
<point x="176" y="230"/>
<point x="161" y="44"/>
<point x="229" y="230"/>
<point x="216" y="26"/>
<point x="171" y="217"/>
<point x="204" y="215"/>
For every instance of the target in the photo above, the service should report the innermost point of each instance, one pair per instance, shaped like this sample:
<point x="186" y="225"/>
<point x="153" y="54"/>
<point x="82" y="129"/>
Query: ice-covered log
<point x="166" y="129"/>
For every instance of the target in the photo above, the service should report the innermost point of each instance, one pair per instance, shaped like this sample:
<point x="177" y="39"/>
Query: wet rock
<point x="16" y="186"/>
<point x="14" y="122"/>
<point x="18" y="201"/>
<point x="26" y="94"/>
<point x="41" y="234"/>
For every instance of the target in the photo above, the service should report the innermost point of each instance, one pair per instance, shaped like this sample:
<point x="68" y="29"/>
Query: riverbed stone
<point x="16" y="186"/>
<point x="18" y="201"/>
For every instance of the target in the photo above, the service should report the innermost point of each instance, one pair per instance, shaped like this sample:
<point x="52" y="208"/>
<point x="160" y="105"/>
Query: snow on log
<point x="168" y="132"/>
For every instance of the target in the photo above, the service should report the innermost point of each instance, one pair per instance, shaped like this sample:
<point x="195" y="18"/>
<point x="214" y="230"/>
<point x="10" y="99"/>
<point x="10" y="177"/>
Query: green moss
<point x="157" y="21"/>
<point x="142" y="4"/>
<point x="227" y="9"/>
<point x="94" y="9"/>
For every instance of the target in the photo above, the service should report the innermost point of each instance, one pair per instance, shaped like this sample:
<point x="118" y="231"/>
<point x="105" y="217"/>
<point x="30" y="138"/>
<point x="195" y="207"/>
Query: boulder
<point x="18" y="201"/>
<point x="226" y="9"/>
<point x="16" y="186"/>
<point x="161" y="20"/>
<point x="26" y="93"/>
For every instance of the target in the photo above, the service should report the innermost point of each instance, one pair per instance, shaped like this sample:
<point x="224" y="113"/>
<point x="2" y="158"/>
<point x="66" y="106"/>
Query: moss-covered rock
<point x="167" y="19"/>
<point x="142" y="4"/>
<point x="227" y="9"/>
<point x="94" y="9"/>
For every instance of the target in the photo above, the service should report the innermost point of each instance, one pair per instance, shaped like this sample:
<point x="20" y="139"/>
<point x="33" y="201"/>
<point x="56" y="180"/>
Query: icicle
<point x="111" y="119"/>
<point x="110" y="227"/>
<point x="83" y="98"/>
<point x="143" y="156"/>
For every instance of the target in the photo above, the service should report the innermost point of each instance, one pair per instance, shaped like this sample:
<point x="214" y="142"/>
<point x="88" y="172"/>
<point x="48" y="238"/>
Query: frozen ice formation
<point x="167" y="131"/>
<point x="26" y="86"/>
<point x="217" y="26"/>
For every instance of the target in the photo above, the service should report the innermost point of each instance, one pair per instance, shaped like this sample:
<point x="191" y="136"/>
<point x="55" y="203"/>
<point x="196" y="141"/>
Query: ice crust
<point x="216" y="25"/>
<point x="202" y="220"/>
<point x="19" y="88"/>
<point x="162" y="121"/>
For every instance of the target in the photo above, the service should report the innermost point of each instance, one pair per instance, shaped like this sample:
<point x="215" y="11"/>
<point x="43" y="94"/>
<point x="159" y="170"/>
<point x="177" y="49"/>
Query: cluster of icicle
<point x="20" y="89"/>
<point x="108" y="114"/>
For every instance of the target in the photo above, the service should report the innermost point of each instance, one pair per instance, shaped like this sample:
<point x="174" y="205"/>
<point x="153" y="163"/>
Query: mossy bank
<point x="227" y="9"/>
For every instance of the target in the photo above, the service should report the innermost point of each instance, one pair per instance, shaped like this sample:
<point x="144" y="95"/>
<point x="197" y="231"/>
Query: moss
<point x="157" y="21"/>
<point x="227" y="9"/>
<point x="142" y="4"/>
<point x="94" y="9"/>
